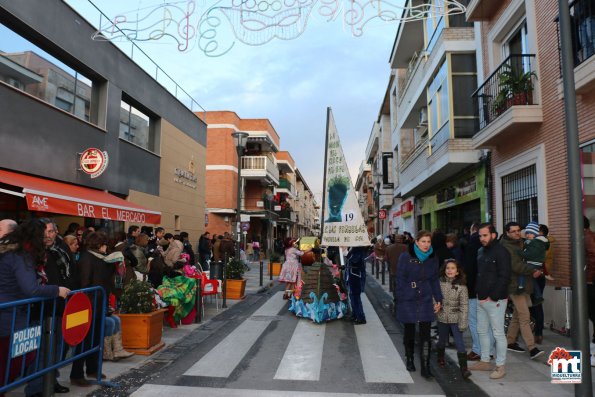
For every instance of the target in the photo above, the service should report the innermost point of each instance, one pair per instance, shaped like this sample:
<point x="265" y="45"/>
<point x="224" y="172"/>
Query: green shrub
<point x="235" y="269"/>
<point x="137" y="298"/>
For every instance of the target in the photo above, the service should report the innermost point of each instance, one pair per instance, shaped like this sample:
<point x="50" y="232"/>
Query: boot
<point x="440" y="353"/>
<point x="119" y="351"/>
<point x="169" y="316"/>
<point x="409" y="354"/>
<point x="424" y="356"/>
<point x="108" y="351"/>
<point x="463" y="364"/>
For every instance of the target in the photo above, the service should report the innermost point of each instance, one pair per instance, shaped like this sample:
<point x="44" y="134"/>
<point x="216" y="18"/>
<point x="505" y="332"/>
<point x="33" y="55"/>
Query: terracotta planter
<point x="275" y="268"/>
<point x="236" y="289"/>
<point x="141" y="333"/>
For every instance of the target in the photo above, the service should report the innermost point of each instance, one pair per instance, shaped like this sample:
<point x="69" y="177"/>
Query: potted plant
<point x="142" y="323"/>
<point x="516" y="88"/>
<point x="236" y="284"/>
<point x="275" y="263"/>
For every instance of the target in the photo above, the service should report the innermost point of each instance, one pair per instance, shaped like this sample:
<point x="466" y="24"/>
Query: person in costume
<point x="355" y="276"/>
<point x="291" y="270"/>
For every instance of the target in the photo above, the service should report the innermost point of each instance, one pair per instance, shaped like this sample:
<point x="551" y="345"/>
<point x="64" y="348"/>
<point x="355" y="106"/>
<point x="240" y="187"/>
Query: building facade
<point x="63" y="93"/>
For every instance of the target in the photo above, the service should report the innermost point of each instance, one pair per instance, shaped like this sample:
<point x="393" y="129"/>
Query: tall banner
<point x="343" y="221"/>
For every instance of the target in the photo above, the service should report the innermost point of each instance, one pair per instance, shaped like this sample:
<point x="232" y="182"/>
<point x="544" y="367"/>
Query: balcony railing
<point x="511" y="84"/>
<point x="254" y="164"/>
<point x="414" y="63"/>
<point x="285" y="184"/>
<point x="582" y="21"/>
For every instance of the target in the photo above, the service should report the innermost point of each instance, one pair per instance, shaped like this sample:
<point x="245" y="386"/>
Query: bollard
<point x="261" y="271"/>
<point x="198" y="304"/>
<point x="224" y="305"/>
<point x="377" y="268"/>
<point x="48" y="378"/>
<point x="383" y="269"/>
<point x="372" y="264"/>
<point x="270" y="270"/>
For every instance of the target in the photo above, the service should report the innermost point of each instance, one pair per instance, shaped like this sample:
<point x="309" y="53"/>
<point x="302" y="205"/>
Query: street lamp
<point x="239" y="139"/>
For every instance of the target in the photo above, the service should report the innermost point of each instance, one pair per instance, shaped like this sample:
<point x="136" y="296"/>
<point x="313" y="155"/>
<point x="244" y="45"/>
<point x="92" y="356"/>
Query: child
<point x="534" y="250"/>
<point x="453" y="314"/>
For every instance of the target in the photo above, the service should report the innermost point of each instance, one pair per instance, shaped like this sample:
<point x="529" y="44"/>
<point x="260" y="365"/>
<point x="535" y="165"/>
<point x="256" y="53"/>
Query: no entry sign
<point x="76" y="320"/>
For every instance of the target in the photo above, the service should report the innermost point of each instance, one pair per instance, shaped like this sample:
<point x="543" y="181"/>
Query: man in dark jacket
<point x="391" y="255"/>
<point x="491" y="288"/>
<point x="521" y="317"/>
<point x="227" y="248"/>
<point x="470" y="265"/>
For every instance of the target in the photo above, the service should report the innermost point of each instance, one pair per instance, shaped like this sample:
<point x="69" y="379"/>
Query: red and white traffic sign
<point x="382" y="214"/>
<point x="77" y="318"/>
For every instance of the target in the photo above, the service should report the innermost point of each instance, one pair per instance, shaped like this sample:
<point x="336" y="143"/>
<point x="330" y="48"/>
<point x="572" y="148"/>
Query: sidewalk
<point x="170" y="337"/>
<point x="524" y="377"/>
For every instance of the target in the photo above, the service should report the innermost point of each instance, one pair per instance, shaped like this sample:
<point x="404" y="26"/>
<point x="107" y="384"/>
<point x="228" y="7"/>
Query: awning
<point x="64" y="198"/>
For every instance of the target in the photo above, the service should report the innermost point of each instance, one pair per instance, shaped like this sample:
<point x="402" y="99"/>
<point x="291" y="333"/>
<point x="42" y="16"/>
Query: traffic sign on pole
<point x="77" y="318"/>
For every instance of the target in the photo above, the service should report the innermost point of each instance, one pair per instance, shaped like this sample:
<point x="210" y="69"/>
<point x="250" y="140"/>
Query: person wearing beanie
<point x="534" y="251"/>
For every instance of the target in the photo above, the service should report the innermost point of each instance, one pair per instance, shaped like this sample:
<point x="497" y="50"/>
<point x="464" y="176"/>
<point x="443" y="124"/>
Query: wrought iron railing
<point x="512" y="83"/>
<point x="582" y="20"/>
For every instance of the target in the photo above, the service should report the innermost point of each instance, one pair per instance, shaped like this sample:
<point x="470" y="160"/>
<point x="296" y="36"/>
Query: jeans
<point x="476" y="348"/>
<point x="537" y="311"/>
<point x="355" y="299"/>
<point x="112" y="325"/>
<point x="521" y="320"/>
<point x="443" y="329"/>
<point x="490" y="314"/>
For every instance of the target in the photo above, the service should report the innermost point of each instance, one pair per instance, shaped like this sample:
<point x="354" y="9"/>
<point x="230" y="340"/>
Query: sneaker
<point x="481" y="366"/>
<point x="535" y="352"/>
<point x="514" y="347"/>
<point x="498" y="372"/>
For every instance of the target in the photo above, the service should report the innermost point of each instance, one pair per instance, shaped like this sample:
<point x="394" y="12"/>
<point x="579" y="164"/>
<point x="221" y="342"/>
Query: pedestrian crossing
<point x="303" y="356"/>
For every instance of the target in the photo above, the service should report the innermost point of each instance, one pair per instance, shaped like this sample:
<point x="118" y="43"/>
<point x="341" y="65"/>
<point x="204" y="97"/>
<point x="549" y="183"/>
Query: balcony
<point x="582" y="20"/>
<point x="481" y="10"/>
<point x="260" y="168"/>
<point x="425" y="168"/>
<point x="507" y="100"/>
<point x="286" y="187"/>
<point x="286" y="216"/>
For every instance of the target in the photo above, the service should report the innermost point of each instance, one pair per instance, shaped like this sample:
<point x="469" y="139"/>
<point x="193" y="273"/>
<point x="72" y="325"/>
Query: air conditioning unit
<point x="423" y="116"/>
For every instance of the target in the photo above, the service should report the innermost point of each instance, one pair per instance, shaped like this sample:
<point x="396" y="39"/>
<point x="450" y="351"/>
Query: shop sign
<point x="382" y="214"/>
<point x="407" y="209"/>
<point x="186" y="177"/>
<point x="38" y="202"/>
<point x="93" y="162"/>
<point x="396" y="213"/>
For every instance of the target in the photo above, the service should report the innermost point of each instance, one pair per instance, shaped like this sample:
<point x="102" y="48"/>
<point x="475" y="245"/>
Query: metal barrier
<point x="34" y="356"/>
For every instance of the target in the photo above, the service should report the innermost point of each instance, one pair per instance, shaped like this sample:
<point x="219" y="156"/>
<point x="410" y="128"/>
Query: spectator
<point x="187" y="247"/>
<point x="22" y="254"/>
<point x="173" y="251"/>
<point x="418" y="297"/>
<point x="7" y="226"/>
<point x="391" y="255"/>
<point x="491" y="286"/>
<point x="205" y="247"/>
<point x="133" y="231"/>
<point x="72" y="228"/>
<point x="534" y="250"/>
<point x="453" y="248"/>
<point x="217" y="249"/>
<point x="355" y="278"/>
<point x="227" y="248"/>
<point x="256" y="249"/>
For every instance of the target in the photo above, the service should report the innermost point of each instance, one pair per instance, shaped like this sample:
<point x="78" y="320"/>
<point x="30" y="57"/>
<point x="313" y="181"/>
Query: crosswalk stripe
<point x="303" y="356"/>
<point x="225" y="357"/>
<point x="187" y="391"/>
<point x="381" y="361"/>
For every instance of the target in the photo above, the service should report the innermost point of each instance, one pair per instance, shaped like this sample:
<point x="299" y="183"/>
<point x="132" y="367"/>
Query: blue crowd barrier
<point x="42" y="326"/>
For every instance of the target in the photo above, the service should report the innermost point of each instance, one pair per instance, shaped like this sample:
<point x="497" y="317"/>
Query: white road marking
<point x="381" y="361"/>
<point x="303" y="357"/>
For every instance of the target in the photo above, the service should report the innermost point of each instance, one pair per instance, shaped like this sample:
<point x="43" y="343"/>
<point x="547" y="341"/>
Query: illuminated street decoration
<point x="255" y="22"/>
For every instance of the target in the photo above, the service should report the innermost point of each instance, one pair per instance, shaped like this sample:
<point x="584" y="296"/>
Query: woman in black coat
<point x="418" y="297"/>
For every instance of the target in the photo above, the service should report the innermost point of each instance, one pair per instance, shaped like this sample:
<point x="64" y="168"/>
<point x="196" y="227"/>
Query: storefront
<point x="25" y="196"/>
<point x="456" y="204"/>
<point x="407" y="216"/>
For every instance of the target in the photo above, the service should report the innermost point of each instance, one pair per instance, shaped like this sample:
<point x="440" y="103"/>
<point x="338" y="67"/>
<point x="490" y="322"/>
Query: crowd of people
<point x="465" y="283"/>
<point x="37" y="261"/>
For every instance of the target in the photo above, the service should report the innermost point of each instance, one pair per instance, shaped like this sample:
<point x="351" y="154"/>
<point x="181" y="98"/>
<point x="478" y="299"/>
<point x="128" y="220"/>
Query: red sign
<point x="382" y="214"/>
<point x="93" y="162"/>
<point x="76" y="319"/>
<point x="407" y="206"/>
<point x="39" y="202"/>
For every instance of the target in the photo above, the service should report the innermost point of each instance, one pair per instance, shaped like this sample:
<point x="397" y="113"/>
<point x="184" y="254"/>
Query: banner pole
<point x="328" y="113"/>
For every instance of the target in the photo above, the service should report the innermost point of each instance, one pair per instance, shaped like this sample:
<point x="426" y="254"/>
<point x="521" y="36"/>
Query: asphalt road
<point x="258" y="348"/>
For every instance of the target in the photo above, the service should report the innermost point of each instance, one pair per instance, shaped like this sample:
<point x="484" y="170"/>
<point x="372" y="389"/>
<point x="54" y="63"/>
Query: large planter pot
<point x="141" y="333"/>
<point x="275" y="268"/>
<point x="235" y="289"/>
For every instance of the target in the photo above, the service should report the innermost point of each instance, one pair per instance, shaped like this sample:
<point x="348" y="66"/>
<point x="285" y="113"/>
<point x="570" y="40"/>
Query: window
<point x="464" y="83"/>
<point x="438" y="106"/>
<point x="519" y="196"/>
<point x="434" y="25"/>
<point x="29" y="68"/>
<point x="135" y="126"/>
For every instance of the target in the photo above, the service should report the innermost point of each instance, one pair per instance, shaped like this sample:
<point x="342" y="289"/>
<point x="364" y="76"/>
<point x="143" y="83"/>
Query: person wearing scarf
<point x="419" y="297"/>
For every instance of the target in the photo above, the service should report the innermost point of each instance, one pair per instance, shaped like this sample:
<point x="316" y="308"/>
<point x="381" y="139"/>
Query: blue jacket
<point x="417" y="287"/>
<point x="18" y="280"/>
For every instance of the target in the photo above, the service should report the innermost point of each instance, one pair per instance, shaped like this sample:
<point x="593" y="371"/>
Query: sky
<point x="290" y="82"/>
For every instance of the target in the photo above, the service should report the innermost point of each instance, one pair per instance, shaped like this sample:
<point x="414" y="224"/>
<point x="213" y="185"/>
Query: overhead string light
<point x="214" y="28"/>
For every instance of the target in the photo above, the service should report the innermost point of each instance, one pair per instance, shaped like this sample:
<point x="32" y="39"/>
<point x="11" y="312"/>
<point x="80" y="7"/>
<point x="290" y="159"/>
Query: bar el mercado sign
<point x="93" y="162"/>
